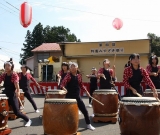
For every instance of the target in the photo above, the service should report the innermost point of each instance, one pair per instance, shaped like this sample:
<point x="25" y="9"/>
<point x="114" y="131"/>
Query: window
<point x="100" y="44"/>
<point x="42" y="56"/>
<point x="113" y="44"/>
<point x="107" y="44"/>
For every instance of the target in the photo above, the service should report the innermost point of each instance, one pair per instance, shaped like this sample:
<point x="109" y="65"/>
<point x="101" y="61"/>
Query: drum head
<point x="151" y="91"/>
<point x="3" y="96"/>
<point x="105" y="90"/>
<point x="56" y="92"/>
<point x="139" y="99"/>
<point x="53" y="90"/>
<point x="60" y="101"/>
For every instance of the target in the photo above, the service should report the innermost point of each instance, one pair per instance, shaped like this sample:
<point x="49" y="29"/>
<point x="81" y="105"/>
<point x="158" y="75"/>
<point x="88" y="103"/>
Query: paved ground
<point x="18" y="128"/>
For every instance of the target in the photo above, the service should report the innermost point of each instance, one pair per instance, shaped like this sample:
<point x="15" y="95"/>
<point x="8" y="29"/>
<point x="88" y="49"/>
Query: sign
<point x="106" y="50"/>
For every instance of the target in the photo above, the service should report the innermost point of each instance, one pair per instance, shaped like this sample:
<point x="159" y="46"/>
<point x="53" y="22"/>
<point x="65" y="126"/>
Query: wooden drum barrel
<point x="60" y="117"/>
<point x="110" y="100"/>
<point x="149" y="93"/>
<point x="4" y="108"/>
<point x="139" y="116"/>
<point x="55" y="94"/>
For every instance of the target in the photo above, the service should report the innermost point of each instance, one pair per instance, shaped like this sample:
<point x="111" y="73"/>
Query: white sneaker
<point x="37" y="111"/>
<point x="89" y="126"/>
<point x="92" y="115"/>
<point x="28" y="123"/>
<point x="80" y="112"/>
<point x="90" y="105"/>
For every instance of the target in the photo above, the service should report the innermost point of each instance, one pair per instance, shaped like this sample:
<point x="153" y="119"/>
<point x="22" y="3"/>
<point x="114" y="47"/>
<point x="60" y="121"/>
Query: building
<point x="92" y="54"/>
<point x="45" y="51"/>
<point x="30" y="63"/>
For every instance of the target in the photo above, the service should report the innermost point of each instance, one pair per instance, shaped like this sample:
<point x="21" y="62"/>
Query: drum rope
<point x="4" y="127"/>
<point x="111" y="114"/>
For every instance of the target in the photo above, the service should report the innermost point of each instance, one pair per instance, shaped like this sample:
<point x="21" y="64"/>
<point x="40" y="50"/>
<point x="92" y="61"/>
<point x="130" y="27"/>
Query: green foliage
<point x="41" y="35"/>
<point x="155" y="43"/>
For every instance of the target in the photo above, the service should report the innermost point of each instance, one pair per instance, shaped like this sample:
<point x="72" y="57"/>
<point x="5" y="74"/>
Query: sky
<point x="89" y="20"/>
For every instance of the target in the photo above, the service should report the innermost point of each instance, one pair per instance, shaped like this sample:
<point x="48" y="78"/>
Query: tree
<point x="41" y="35"/>
<point x="27" y="47"/>
<point x="155" y="43"/>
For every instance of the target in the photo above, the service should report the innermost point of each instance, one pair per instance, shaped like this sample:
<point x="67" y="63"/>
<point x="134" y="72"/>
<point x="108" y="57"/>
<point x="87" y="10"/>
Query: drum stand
<point x="105" y="119"/>
<point x="6" y="131"/>
<point x="78" y="133"/>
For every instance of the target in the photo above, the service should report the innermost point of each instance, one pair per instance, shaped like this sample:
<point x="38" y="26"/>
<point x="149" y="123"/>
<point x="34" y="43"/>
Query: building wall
<point x="37" y="66"/>
<point x="56" y="69"/>
<point x="30" y="62"/>
<point x="125" y="47"/>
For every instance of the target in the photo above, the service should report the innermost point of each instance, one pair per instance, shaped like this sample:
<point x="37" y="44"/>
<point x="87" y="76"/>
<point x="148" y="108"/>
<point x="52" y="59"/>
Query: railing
<point x="53" y="85"/>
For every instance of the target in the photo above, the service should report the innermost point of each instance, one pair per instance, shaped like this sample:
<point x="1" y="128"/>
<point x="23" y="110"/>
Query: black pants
<point x="13" y="101"/>
<point x="92" y="89"/>
<point x="105" y="86"/>
<point x="81" y="107"/>
<point x="27" y="94"/>
<point x="156" y="84"/>
<point x="129" y="92"/>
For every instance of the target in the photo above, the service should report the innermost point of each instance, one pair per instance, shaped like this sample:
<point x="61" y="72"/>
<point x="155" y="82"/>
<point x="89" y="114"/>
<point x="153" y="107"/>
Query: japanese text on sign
<point x="106" y="50"/>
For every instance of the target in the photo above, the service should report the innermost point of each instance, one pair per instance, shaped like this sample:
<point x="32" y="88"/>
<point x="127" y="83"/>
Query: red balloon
<point x="117" y="23"/>
<point x="25" y="14"/>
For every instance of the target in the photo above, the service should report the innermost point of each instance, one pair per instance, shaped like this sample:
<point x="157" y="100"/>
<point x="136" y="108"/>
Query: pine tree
<point x="37" y="36"/>
<point x="27" y="47"/>
<point x="154" y="43"/>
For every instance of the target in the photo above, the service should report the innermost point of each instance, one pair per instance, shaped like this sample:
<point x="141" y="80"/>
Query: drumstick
<point x="104" y="77"/>
<point x="139" y="95"/>
<point x="94" y="98"/>
<point x="158" y="99"/>
<point x="114" y="59"/>
<point x="20" y="102"/>
<point x="58" y="81"/>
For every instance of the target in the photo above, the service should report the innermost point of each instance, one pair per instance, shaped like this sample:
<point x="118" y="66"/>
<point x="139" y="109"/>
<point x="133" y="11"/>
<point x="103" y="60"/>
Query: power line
<point x="7" y="7"/>
<point x="8" y="11"/>
<point x="9" y="55"/>
<point x="17" y="9"/>
<point x="89" y="12"/>
<point x="8" y="49"/>
<point x="11" y="5"/>
<point x="9" y="42"/>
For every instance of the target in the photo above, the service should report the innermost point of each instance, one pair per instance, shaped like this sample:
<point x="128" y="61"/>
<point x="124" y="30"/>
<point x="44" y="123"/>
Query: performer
<point x="153" y="70"/>
<point x="63" y="72"/>
<point x="73" y="80"/>
<point x="11" y="85"/>
<point x="127" y="64"/>
<point x="106" y="75"/>
<point x="93" y="83"/>
<point x="24" y="79"/>
<point x="133" y="76"/>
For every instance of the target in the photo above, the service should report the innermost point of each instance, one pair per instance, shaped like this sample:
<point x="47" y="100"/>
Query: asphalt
<point x="36" y="128"/>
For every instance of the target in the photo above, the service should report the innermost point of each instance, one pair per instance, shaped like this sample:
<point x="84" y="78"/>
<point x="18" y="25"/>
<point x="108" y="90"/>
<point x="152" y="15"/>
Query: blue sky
<point x="95" y="24"/>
